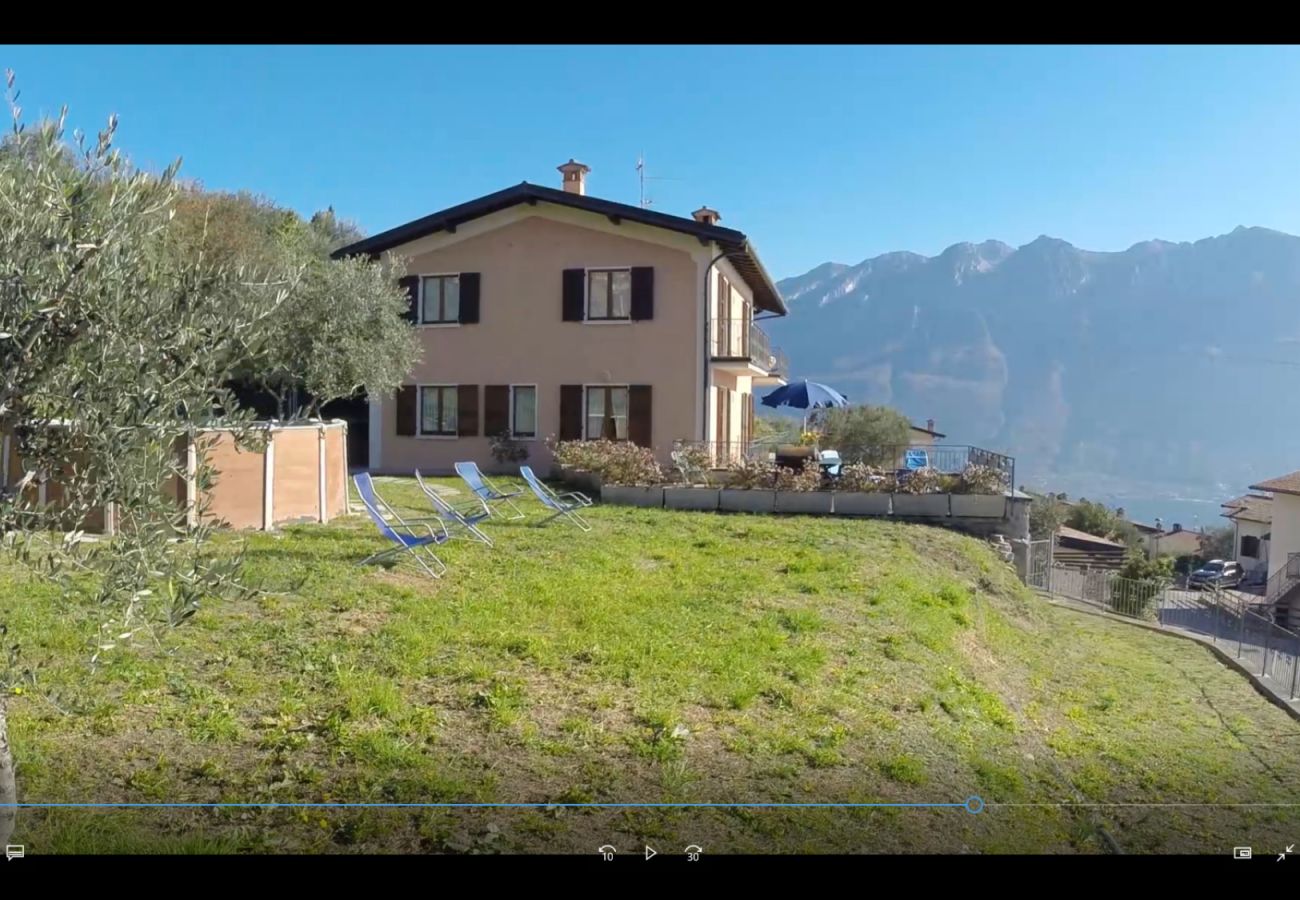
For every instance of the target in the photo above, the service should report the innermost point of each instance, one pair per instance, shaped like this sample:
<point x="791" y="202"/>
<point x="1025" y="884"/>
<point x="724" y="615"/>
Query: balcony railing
<point x="739" y="339"/>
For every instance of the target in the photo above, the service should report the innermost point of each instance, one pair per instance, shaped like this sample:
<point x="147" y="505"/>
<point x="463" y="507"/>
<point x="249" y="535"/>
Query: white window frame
<point x="586" y="295"/>
<point x="419" y="413"/>
<point x="537" y="425"/>
<point x="585" y="416"/>
<point x="420" y="323"/>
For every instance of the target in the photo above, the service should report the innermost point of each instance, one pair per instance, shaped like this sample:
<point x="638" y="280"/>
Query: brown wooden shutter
<point x="406" y="412"/>
<point x="496" y="409"/>
<point x="638" y="414"/>
<point x="574" y="289"/>
<point x="411" y="284"/>
<point x="571" y="412"/>
<point x="469" y="282"/>
<point x="467" y="410"/>
<point x="643" y="293"/>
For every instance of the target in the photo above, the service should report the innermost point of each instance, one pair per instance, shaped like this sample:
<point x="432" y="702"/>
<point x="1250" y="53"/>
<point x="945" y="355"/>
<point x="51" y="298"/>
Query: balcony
<point x="742" y="345"/>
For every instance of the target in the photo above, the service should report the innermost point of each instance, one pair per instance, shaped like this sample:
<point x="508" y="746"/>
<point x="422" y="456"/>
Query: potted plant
<point x="921" y="493"/>
<point x="862" y="490"/>
<point x="507" y="451"/>
<point x="799" y="490"/>
<point x="577" y="463"/>
<point x="751" y="487"/>
<point x="980" y="493"/>
<point x="630" y="476"/>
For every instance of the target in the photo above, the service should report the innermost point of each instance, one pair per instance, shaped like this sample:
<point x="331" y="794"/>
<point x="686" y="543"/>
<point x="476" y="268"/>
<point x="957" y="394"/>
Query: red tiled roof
<point x="1253" y="509"/>
<point x="1283" y="484"/>
<point x="1075" y="534"/>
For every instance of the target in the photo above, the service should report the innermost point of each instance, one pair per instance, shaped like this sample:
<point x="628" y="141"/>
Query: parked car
<point x="1216" y="572"/>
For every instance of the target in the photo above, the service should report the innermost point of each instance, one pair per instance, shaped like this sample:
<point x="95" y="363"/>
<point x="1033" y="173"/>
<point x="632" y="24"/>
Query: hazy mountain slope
<point x="1161" y="366"/>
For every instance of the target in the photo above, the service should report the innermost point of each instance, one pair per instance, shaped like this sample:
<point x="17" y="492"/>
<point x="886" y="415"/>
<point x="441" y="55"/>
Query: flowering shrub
<point x="808" y="478"/>
<point x="864" y="478"/>
<point x="808" y="438"/>
<point x="755" y="474"/>
<point x="925" y="480"/>
<point x="981" y="480"/>
<point x="616" y="462"/>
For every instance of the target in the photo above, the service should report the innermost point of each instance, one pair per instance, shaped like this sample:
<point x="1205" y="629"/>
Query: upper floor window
<point x="438" y="409"/>
<point x="609" y="294"/>
<point x="440" y="300"/>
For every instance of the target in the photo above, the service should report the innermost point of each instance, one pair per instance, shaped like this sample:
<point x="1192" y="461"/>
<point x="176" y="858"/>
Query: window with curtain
<point x="441" y="300"/>
<point x="438" y="409"/>
<point x="607" y="413"/>
<point x="609" y="294"/>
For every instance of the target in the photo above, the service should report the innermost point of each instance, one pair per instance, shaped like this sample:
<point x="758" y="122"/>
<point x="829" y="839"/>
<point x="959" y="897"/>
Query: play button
<point x="650" y="851"/>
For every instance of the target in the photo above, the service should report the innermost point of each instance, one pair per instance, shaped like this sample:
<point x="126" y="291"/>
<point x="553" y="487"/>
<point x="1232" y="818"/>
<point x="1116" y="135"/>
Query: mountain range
<point x="1164" y="370"/>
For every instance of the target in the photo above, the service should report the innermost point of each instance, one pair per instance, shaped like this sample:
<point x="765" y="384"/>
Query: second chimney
<point x="706" y="216"/>
<point x="575" y="176"/>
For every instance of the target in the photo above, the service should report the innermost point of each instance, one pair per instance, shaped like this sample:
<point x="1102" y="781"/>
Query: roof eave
<point x="735" y="245"/>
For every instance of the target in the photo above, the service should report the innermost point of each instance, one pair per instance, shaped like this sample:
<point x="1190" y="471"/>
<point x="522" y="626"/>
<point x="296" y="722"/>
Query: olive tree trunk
<point x="8" y="787"/>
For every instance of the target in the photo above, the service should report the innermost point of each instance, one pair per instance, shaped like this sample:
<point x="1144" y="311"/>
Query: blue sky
<point x="818" y="153"/>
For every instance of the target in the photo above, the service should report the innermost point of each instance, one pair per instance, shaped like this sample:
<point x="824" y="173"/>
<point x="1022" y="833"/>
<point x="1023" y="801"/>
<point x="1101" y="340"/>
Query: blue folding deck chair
<point x="566" y="505"/>
<point x="420" y="547"/>
<point x="486" y="491"/>
<point x="466" y="518"/>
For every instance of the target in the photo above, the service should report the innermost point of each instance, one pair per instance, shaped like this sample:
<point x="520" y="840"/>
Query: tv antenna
<point x="646" y="202"/>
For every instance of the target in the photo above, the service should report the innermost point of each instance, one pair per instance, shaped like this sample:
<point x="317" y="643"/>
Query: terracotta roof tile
<point x="1283" y="484"/>
<point x="1253" y="509"/>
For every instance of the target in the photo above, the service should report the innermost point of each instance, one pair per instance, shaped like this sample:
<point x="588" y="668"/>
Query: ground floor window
<point x="523" y="410"/>
<point x="606" y="412"/>
<point x="1250" y="546"/>
<point x="438" y="409"/>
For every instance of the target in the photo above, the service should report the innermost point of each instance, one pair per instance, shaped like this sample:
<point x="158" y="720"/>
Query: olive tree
<point x="342" y="326"/>
<point x="868" y="434"/>
<point x="113" y="350"/>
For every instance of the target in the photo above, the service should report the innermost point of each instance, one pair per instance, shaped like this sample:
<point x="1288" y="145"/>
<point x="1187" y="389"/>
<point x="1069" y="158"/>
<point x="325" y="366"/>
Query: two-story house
<point x="546" y="312"/>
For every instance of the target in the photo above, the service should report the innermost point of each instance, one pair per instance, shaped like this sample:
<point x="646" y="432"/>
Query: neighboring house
<point x="546" y="312"/>
<point x="1284" y="530"/>
<point x="1149" y="534"/>
<point x="1077" y="549"/>
<point x="927" y="436"/>
<point x="1252" y="524"/>
<point x="1177" y="542"/>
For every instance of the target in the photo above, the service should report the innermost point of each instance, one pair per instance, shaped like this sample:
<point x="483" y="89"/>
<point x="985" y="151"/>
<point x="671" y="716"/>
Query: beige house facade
<point x="1284" y="540"/>
<point x="548" y="314"/>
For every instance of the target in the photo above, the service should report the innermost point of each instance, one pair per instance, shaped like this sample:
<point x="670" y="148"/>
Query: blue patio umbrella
<point x="805" y="395"/>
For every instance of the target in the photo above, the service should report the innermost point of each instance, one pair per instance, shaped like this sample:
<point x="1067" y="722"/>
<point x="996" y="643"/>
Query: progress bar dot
<point x="974" y="805"/>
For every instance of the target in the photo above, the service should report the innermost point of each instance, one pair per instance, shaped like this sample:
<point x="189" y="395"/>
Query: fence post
<point x="1241" y="633"/>
<point x="1295" y="671"/>
<point x="1268" y="633"/>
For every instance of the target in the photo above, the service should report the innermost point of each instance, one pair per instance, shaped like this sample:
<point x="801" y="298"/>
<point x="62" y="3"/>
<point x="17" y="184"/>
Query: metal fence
<point x="1237" y="623"/>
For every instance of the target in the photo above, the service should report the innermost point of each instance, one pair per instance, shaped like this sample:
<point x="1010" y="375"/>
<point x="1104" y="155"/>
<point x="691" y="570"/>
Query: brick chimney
<point x="707" y="216"/>
<point x="575" y="176"/>
<point x="929" y="424"/>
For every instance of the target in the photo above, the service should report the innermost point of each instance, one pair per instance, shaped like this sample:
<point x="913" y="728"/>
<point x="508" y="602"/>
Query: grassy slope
<point x="665" y="657"/>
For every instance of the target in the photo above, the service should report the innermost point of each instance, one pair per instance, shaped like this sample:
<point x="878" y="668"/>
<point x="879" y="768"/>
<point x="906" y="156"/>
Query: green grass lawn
<point x="665" y="657"/>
